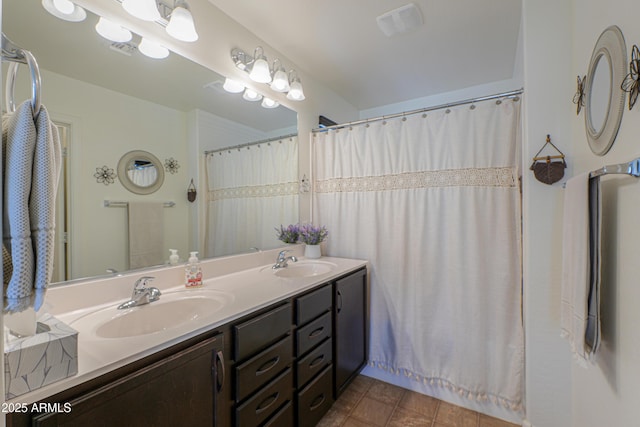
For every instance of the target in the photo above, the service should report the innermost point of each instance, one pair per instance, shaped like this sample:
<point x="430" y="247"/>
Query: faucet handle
<point x="141" y="283"/>
<point x="283" y="253"/>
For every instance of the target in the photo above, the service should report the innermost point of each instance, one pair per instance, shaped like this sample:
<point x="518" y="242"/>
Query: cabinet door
<point x="179" y="390"/>
<point x="350" y="322"/>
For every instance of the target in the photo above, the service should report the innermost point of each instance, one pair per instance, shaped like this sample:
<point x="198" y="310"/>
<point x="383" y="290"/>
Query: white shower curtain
<point x="251" y="191"/>
<point x="433" y="202"/>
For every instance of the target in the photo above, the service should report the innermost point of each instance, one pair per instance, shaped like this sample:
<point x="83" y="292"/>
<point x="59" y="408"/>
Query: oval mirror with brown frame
<point x="140" y="172"/>
<point x="604" y="99"/>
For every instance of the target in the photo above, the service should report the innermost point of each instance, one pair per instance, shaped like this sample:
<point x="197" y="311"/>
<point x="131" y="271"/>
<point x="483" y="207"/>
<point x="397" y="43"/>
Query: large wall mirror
<point x="604" y="98"/>
<point x="110" y="100"/>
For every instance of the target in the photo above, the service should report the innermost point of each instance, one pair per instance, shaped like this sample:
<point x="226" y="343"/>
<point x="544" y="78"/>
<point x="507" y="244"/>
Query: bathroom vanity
<point x="280" y="350"/>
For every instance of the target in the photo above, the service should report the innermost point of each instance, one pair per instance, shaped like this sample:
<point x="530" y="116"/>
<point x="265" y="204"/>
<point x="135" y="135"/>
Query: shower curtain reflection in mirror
<point x="251" y="190"/>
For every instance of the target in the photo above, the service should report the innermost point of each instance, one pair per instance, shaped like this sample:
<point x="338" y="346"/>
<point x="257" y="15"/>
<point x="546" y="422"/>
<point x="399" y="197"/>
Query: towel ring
<point x="23" y="56"/>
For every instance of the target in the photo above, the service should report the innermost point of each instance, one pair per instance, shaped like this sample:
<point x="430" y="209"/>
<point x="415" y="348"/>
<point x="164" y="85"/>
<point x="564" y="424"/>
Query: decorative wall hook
<point x="548" y="169"/>
<point x="105" y="175"/>
<point x="191" y="192"/>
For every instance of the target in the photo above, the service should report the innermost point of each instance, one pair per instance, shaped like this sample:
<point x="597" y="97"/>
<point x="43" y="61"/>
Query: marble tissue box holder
<point x="39" y="360"/>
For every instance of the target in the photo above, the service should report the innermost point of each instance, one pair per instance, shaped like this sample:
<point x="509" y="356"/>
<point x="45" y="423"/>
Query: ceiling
<point x="462" y="43"/>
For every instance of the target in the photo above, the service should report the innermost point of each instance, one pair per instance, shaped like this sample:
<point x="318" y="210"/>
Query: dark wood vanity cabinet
<point x="283" y="365"/>
<point x="188" y="387"/>
<point x="350" y="320"/>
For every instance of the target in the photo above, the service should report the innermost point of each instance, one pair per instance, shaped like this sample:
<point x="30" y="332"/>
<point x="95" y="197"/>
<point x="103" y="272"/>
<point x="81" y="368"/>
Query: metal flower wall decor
<point x="171" y="165"/>
<point x="578" y="98"/>
<point x="105" y="175"/>
<point x="632" y="80"/>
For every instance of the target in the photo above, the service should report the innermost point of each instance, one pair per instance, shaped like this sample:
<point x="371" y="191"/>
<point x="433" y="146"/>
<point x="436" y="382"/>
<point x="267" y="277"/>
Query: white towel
<point x="146" y="227"/>
<point x="580" y="310"/>
<point x="32" y="158"/>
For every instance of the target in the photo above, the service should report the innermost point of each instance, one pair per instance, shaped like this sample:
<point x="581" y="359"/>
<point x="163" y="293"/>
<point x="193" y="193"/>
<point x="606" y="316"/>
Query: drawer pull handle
<point x="316" y="361"/>
<point x="267" y="365"/>
<point x="316" y="332"/>
<point x="264" y="405"/>
<point x="220" y="373"/>
<point x="319" y="400"/>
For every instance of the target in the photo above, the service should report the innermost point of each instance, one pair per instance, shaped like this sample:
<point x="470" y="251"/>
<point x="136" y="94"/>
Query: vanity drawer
<point x="316" y="399"/>
<point x="313" y="304"/>
<point x="258" y="370"/>
<point x="284" y="417"/>
<point x="314" y="362"/>
<point x="313" y="334"/>
<point x="257" y="333"/>
<point x="261" y="406"/>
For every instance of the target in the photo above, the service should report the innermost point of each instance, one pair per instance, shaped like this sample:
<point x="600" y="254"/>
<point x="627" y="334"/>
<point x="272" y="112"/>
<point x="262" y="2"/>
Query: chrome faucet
<point x="141" y="294"/>
<point x="283" y="259"/>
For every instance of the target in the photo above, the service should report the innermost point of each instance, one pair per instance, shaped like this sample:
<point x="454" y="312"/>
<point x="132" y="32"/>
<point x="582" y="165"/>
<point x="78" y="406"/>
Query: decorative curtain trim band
<point x="473" y="177"/>
<point x="513" y="405"/>
<point x="272" y="190"/>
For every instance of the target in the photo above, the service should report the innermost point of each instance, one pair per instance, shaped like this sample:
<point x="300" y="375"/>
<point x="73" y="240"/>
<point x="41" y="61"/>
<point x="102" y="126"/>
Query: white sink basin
<point x="172" y="310"/>
<point x="303" y="268"/>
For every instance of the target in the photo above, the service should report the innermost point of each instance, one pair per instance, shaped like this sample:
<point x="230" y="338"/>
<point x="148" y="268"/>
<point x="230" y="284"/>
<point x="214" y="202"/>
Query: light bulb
<point x="280" y="81"/>
<point x="181" y="24"/>
<point x="147" y="10"/>
<point x="296" y="93"/>
<point x="113" y="32"/>
<point x="251" y="95"/>
<point x="64" y="6"/>
<point x="152" y="49"/>
<point x="65" y="10"/>
<point x="260" y="72"/>
<point x="232" y="86"/>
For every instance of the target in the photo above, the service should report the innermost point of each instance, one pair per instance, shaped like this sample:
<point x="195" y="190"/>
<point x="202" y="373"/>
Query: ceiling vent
<point x="125" y="48"/>
<point x="400" y="20"/>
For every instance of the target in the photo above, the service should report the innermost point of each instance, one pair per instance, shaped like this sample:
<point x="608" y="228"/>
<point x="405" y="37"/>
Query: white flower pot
<point x="312" y="251"/>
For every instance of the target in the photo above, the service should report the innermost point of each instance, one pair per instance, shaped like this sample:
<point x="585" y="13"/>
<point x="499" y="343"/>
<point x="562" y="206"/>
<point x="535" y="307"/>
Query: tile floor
<point x="372" y="403"/>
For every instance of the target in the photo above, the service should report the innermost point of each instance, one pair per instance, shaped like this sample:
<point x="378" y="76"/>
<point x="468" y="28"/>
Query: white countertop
<point x="244" y="292"/>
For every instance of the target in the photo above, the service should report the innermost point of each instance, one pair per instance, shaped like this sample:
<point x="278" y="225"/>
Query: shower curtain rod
<point x="249" y="144"/>
<point x="511" y="94"/>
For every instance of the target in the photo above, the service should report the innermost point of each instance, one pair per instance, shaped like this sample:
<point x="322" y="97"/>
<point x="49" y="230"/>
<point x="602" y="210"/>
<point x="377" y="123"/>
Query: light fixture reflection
<point x="65" y="9"/>
<point x="232" y="86"/>
<point x="181" y="24"/>
<point x="113" y="32"/>
<point x="147" y="10"/>
<point x="152" y="49"/>
<point x="269" y="103"/>
<point x="251" y="95"/>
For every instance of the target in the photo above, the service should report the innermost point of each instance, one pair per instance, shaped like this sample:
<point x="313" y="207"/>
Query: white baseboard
<point x="526" y="423"/>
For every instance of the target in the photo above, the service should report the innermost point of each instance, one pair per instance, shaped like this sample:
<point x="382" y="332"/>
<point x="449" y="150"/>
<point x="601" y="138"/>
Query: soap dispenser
<point x="174" y="258"/>
<point x="193" y="272"/>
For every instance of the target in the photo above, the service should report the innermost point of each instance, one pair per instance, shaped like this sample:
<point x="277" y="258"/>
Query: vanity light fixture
<point x="232" y="86"/>
<point x="147" y="10"/>
<point x="152" y="49"/>
<point x="65" y="9"/>
<point x="251" y="95"/>
<point x="181" y="25"/>
<point x="258" y="69"/>
<point x="113" y="32"/>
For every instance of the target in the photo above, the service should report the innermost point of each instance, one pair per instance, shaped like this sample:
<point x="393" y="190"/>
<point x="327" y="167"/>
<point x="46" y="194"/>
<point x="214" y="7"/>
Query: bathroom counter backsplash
<point x="242" y="283"/>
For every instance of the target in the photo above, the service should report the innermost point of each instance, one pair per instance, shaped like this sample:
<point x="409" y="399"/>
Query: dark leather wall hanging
<point x="548" y="169"/>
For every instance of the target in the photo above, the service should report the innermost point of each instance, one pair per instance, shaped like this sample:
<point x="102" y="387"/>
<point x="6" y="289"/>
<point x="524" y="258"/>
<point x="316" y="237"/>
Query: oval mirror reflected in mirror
<point x="140" y="172"/>
<point x="604" y="98"/>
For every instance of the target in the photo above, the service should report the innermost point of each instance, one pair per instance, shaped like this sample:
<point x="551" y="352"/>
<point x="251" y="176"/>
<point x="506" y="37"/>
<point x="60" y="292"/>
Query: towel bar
<point x="117" y="204"/>
<point x="630" y="168"/>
